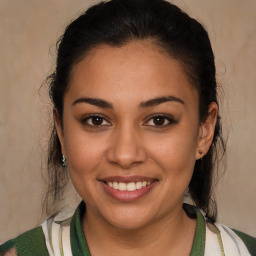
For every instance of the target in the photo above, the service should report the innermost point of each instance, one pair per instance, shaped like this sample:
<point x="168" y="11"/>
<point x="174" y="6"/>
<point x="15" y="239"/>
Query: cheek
<point x="84" y="156"/>
<point x="175" y="153"/>
<point x="84" y="151"/>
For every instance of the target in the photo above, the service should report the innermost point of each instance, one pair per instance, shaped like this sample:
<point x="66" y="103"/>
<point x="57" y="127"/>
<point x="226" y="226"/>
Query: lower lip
<point x="127" y="196"/>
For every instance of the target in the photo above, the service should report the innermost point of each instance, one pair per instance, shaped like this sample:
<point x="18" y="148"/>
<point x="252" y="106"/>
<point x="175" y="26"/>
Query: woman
<point x="136" y="127"/>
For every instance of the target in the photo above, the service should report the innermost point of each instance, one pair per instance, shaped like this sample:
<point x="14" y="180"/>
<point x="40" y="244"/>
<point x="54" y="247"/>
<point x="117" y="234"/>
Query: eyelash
<point x="167" y="118"/>
<point x="85" y="121"/>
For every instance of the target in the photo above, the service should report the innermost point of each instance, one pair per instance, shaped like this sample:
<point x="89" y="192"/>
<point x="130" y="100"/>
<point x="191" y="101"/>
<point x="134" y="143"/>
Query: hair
<point x="117" y="23"/>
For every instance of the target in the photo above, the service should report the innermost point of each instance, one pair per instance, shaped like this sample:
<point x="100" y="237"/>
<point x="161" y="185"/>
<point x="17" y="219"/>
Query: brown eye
<point x="95" y="121"/>
<point x="160" y="121"/>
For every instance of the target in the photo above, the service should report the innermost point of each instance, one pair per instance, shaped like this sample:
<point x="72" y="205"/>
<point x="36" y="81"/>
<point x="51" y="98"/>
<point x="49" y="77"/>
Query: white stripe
<point x="46" y="235"/>
<point x="233" y="244"/>
<point x="55" y="238"/>
<point x="58" y="227"/>
<point x="212" y="246"/>
<point x="66" y="241"/>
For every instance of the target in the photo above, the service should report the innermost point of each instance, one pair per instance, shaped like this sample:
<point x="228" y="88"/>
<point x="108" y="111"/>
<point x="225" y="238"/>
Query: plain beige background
<point x="28" y="32"/>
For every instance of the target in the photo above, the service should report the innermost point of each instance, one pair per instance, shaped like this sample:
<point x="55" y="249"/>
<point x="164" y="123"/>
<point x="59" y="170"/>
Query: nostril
<point x="127" y="155"/>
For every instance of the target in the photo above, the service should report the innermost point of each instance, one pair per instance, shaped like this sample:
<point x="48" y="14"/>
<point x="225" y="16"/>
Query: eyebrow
<point x="159" y="100"/>
<point x="94" y="101"/>
<point x="149" y="103"/>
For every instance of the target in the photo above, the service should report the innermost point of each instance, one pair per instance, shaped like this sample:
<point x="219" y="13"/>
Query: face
<point x="130" y="133"/>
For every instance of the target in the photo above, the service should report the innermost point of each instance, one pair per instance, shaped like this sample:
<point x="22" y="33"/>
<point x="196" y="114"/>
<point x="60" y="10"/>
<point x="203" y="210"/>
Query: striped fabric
<point x="223" y="241"/>
<point x="57" y="233"/>
<point x="62" y="235"/>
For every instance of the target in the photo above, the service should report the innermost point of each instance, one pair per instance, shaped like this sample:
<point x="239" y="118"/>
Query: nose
<point x="126" y="149"/>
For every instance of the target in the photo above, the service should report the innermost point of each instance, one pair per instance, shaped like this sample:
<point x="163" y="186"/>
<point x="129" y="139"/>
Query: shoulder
<point x="29" y="243"/>
<point x="43" y="240"/>
<point x="219" y="239"/>
<point x="232" y="242"/>
<point x="249" y="241"/>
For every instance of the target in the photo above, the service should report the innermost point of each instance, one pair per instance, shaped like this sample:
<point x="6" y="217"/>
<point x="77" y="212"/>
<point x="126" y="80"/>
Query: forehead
<point x="138" y="70"/>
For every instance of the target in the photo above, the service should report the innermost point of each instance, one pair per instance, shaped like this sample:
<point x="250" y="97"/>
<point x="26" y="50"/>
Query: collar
<point x="79" y="245"/>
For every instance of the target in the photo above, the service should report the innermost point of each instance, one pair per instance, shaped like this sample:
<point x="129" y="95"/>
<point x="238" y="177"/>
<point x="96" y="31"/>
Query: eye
<point x="160" y="121"/>
<point x="95" y="120"/>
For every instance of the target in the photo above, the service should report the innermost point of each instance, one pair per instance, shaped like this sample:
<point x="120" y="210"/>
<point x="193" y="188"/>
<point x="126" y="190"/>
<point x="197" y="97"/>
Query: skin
<point x="11" y="252"/>
<point x="129" y="142"/>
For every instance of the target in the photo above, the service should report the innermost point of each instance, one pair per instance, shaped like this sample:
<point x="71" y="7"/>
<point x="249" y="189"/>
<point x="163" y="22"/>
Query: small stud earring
<point x="186" y="193"/>
<point x="63" y="161"/>
<point x="201" y="152"/>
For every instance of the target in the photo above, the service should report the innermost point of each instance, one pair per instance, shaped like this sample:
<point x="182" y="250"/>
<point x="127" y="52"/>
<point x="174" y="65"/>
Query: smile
<point x="131" y="186"/>
<point x="128" y="189"/>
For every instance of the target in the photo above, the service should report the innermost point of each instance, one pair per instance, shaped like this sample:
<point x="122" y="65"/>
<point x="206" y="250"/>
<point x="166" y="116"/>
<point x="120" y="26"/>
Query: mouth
<point x="128" y="188"/>
<point x="131" y="186"/>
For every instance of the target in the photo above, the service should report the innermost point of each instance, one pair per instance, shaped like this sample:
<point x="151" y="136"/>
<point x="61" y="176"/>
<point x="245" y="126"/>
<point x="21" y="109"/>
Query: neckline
<point x="199" y="239"/>
<point x="78" y="242"/>
<point x="79" y="245"/>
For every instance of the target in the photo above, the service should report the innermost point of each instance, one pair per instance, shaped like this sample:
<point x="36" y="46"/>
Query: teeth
<point x="122" y="186"/>
<point x="131" y="186"/>
<point x="138" y="185"/>
<point x="115" y="185"/>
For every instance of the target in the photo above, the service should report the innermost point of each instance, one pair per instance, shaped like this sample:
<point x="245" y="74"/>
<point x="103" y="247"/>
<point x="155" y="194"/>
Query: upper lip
<point x="127" y="179"/>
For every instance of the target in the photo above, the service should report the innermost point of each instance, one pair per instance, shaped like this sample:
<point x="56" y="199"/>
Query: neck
<point x="169" y="235"/>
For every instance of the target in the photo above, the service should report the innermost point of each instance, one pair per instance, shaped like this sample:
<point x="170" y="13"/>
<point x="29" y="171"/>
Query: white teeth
<point x="115" y="185"/>
<point x="131" y="186"/>
<point x="138" y="185"/>
<point x="122" y="186"/>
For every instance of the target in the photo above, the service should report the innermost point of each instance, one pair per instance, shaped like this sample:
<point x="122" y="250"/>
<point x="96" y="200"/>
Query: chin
<point x="129" y="223"/>
<point x="129" y="218"/>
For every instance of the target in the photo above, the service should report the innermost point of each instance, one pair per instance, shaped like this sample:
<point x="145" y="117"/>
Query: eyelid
<point x="84" y="120"/>
<point x="166" y="116"/>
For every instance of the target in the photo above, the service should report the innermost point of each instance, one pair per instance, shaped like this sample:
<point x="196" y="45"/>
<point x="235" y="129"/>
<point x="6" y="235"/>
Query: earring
<point x="63" y="161"/>
<point x="186" y="193"/>
<point x="201" y="152"/>
<point x="201" y="160"/>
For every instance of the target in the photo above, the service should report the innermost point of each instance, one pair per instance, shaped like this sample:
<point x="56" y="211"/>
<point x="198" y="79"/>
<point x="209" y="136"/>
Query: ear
<point x="59" y="129"/>
<point x="206" y="131"/>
